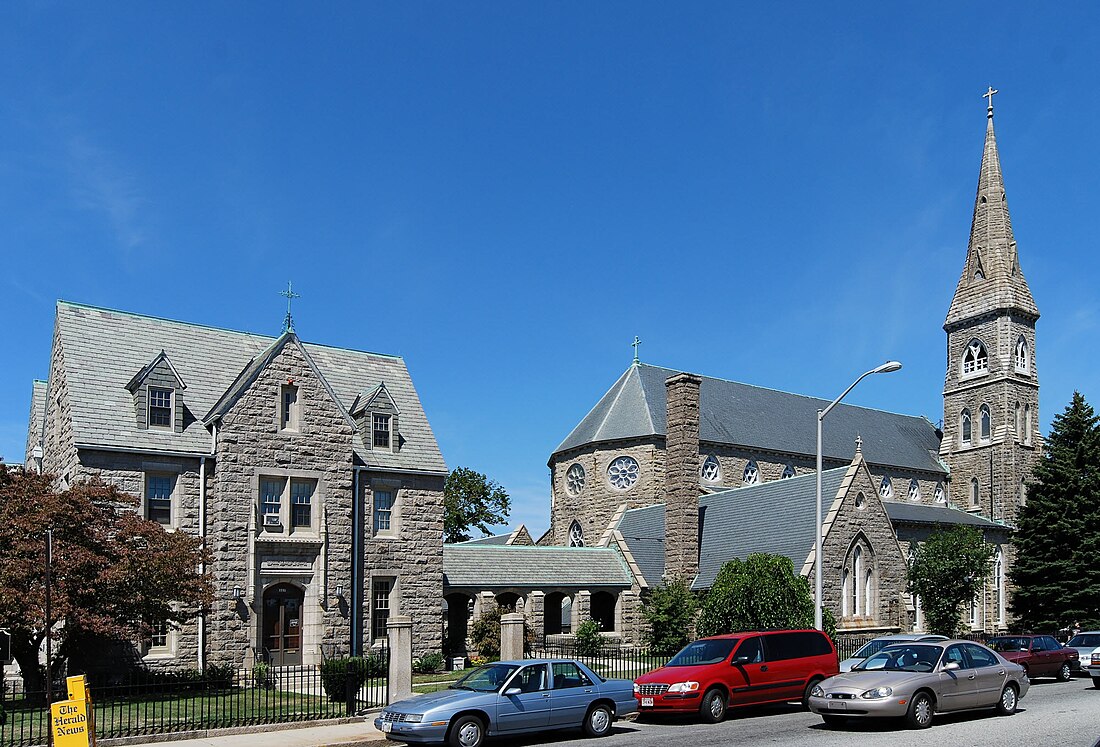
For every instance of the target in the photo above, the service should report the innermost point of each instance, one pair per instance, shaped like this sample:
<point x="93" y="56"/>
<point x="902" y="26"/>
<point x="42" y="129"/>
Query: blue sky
<point x="505" y="194"/>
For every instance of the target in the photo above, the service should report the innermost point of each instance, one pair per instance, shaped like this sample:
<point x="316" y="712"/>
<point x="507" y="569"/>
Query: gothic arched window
<point x="914" y="490"/>
<point x="986" y="425"/>
<point x="975" y="359"/>
<point x="1019" y="422"/>
<point x="859" y="581"/>
<point x="940" y="496"/>
<point x="1023" y="356"/>
<point x="788" y="471"/>
<point x="964" y="427"/>
<point x="886" y="488"/>
<point x="752" y="473"/>
<point x="999" y="585"/>
<point x="974" y="492"/>
<point x="576" y="535"/>
<point x="712" y="470"/>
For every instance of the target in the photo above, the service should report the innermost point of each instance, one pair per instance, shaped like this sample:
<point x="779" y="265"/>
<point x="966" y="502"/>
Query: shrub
<point x="3" y="715"/>
<point x="338" y="675"/>
<point x="588" y="638"/>
<point x="669" y="611"/>
<point x="261" y="676"/>
<point x="485" y="633"/>
<point x="218" y="676"/>
<point x="428" y="663"/>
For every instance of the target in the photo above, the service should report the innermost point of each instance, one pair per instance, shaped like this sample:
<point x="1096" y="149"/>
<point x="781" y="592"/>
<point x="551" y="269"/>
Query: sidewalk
<point x="351" y="732"/>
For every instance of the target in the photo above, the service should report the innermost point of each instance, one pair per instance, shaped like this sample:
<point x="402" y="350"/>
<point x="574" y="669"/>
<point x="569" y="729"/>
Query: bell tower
<point x="991" y="435"/>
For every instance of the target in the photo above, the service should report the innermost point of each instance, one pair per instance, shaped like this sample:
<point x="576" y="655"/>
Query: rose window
<point x="623" y="472"/>
<point x="574" y="479"/>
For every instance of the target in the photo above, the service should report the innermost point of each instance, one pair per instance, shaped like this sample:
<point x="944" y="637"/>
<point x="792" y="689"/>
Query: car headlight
<point x="636" y="688"/>
<point x="414" y="718"/>
<point x="684" y="687"/>
<point x="878" y="692"/>
<point x="817" y="692"/>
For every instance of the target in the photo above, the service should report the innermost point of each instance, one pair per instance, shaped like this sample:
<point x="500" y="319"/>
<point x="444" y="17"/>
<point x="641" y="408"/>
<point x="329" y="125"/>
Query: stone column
<point x="682" y="477"/>
<point x="511" y="636"/>
<point x="399" y="629"/>
<point x="582" y="608"/>
<point x="536" y="613"/>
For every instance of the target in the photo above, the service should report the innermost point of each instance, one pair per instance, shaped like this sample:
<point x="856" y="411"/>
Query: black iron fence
<point x="148" y="702"/>
<point x="611" y="660"/>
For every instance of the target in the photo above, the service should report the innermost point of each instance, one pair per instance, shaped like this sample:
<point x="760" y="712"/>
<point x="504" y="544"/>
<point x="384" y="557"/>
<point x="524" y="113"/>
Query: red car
<point x="1039" y="655"/>
<point x="711" y="675"/>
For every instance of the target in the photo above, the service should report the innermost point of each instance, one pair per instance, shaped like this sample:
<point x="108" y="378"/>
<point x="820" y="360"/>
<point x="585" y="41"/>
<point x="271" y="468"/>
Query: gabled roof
<point x="150" y="366"/>
<point x="104" y="347"/>
<point x="643" y="531"/>
<point x="485" y="566"/>
<point x="759" y="418"/>
<point x="366" y="400"/>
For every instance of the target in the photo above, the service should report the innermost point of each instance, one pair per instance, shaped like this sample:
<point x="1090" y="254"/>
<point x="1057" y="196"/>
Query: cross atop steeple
<point x="989" y="95"/>
<point x="288" y="323"/>
<point x="635" y="345"/>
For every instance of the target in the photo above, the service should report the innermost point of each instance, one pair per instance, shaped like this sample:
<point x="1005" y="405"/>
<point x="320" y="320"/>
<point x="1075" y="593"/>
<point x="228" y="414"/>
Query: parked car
<point x="1039" y="655"/>
<point x="1093" y="667"/>
<point x="875" y="645"/>
<point x="712" y="674"/>
<point x="916" y="680"/>
<point x="1084" y="642"/>
<point x="511" y="697"/>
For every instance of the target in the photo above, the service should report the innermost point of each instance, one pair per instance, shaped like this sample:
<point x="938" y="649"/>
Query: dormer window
<point x="288" y="408"/>
<point x="160" y="407"/>
<point x="380" y="427"/>
<point x="976" y="359"/>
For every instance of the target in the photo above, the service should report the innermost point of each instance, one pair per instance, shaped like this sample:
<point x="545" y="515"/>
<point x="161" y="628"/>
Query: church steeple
<point x="991" y="278"/>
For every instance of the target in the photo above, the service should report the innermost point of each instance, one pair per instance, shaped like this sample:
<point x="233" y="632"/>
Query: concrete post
<point x="511" y="636"/>
<point x="399" y="629"/>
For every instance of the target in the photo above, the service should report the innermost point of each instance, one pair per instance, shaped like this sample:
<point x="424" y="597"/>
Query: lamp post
<point x="887" y="367"/>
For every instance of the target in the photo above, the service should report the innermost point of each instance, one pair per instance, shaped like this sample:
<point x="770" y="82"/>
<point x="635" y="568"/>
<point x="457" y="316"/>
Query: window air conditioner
<point x="272" y="520"/>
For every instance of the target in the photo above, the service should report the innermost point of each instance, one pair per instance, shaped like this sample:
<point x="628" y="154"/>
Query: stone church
<point x="310" y="471"/>
<point x="675" y="474"/>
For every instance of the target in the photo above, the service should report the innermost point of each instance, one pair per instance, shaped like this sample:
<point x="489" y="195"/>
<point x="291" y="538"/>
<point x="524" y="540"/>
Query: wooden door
<point x="282" y="624"/>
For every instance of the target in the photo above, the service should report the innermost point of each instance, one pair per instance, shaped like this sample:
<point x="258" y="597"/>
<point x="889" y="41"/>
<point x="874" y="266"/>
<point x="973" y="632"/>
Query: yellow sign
<point x="69" y="722"/>
<point x="78" y="689"/>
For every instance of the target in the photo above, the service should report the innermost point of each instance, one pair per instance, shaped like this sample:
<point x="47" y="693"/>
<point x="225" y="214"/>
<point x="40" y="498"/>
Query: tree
<point x="1056" y="576"/>
<point x="760" y="592"/>
<point x="115" y="574"/>
<point x="949" y="569"/>
<point x="470" y="499"/>
<point x="669" y="612"/>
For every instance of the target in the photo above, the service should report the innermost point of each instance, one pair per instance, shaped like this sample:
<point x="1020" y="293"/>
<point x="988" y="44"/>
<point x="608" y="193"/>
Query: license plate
<point x="387" y="727"/>
<point x="835" y="705"/>
<point x="647" y="702"/>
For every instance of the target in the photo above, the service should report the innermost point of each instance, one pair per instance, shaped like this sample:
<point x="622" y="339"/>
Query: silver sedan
<point x="916" y="680"/>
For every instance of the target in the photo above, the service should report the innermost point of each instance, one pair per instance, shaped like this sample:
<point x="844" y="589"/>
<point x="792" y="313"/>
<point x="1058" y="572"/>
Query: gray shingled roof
<point x="921" y="513"/>
<point x="496" y="539"/>
<point x="487" y="566"/>
<point x="759" y="418"/>
<point x="643" y="530"/>
<point x="105" y="348"/>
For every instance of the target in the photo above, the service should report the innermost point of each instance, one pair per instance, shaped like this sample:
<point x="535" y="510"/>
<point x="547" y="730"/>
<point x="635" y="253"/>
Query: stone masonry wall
<point x="682" y="476"/>
<point x="59" y="449"/>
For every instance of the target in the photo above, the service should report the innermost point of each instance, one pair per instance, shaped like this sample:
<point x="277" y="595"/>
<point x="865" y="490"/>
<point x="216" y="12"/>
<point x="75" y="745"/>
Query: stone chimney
<point x="682" y="476"/>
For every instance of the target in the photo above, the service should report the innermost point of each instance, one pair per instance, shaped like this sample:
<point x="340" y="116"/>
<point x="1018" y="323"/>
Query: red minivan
<point x="712" y="674"/>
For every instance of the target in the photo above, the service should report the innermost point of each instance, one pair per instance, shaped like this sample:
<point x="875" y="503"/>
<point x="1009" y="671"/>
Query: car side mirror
<point x="951" y="666"/>
<point x="512" y="691"/>
<point x="739" y="660"/>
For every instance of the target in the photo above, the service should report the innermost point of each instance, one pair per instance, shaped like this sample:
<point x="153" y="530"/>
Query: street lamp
<point x="887" y="367"/>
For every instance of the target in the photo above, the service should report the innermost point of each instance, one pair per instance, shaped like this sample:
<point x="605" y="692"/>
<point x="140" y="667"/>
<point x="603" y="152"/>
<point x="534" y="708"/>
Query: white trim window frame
<point x="381" y="431"/>
<point x="159" y="502"/>
<point x="382" y="597"/>
<point x="160" y="408"/>
<point x="975" y="360"/>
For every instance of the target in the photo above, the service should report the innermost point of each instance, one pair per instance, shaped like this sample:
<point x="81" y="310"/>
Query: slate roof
<point x="643" y="530"/>
<point x="487" y="566"/>
<point x="496" y="539"/>
<point x="922" y="513"/>
<point x="759" y="418"/>
<point x="104" y="348"/>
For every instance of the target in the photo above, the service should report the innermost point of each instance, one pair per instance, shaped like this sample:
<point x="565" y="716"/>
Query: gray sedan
<point x="916" y="680"/>
<point x="511" y="697"/>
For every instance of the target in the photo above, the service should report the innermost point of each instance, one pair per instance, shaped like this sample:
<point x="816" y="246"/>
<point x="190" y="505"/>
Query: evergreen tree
<point x="1056" y="575"/>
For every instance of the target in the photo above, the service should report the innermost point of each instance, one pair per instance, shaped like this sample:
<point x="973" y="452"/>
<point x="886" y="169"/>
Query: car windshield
<point x="485" y="679"/>
<point x="703" y="652"/>
<point x="902" y="658"/>
<point x="1085" y="640"/>
<point x="872" y="647"/>
<point x="1008" y="643"/>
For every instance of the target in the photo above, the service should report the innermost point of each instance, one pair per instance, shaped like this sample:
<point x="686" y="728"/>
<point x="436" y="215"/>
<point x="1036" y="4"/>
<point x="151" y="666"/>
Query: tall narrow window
<point x="288" y="408"/>
<point x="1027" y="425"/>
<point x="1023" y="356"/>
<point x="576" y="535"/>
<point x="301" y="503"/>
<point x="914" y="490"/>
<point x="886" y="488"/>
<point x="158" y="499"/>
<point x="160" y="407"/>
<point x="380" y="606"/>
<point x="986" y="425"/>
<point x="846" y="593"/>
<point x="383" y="511"/>
<point x="271" y="492"/>
<point x="940" y="495"/>
<point x="975" y="359"/>
<point x="1019" y="422"/>
<point x="1023" y="492"/>
<point x="381" y="428"/>
<point x="964" y="427"/>
<point x="857" y="579"/>
<point x="999" y="581"/>
<point x="974" y="492"/>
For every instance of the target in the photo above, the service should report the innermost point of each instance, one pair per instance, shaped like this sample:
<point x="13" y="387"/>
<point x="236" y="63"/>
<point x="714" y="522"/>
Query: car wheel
<point x="1096" y="682"/>
<point x="1006" y="706"/>
<point x="833" y="721"/>
<point x="467" y="731"/>
<point x="597" y="722"/>
<point x="713" y="707"/>
<point x="806" y="693"/>
<point x="1065" y="673"/>
<point x="921" y="708"/>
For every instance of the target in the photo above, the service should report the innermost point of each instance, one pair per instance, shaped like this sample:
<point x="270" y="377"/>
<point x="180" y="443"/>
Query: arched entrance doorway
<point x="458" y="615"/>
<point x="554" y="614"/>
<point x="282" y="624"/>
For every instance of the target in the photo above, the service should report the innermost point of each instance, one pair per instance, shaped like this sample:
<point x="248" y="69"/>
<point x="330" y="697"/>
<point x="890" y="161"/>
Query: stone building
<point x="310" y="471"/>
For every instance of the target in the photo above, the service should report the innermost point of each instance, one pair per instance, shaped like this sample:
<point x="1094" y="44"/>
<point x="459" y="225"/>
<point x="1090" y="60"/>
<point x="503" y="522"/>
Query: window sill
<point x="386" y="536"/>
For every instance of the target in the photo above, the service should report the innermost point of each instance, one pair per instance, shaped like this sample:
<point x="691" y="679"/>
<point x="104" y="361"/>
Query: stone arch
<point x="556" y="606"/>
<point x="509" y="601"/>
<point x="975" y="359"/>
<point x="603" y="610"/>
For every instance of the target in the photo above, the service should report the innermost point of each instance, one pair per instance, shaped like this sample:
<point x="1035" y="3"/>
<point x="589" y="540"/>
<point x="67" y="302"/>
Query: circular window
<point x="752" y="474"/>
<point x="712" y="471"/>
<point x="574" y="479"/>
<point x="623" y="472"/>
